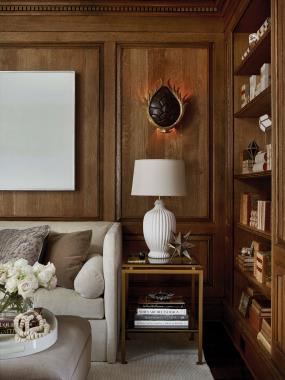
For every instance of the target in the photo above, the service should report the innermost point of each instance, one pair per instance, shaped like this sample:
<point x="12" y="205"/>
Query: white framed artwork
<point x="37" y="130"/>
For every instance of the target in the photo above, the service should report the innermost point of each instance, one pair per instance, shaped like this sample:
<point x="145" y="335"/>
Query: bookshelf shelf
<point x="258" y="106"/>
<point x="265" y="290"/>
<point x="258" y="55"/>
<point x="264" y="234"/>
<point x="264" y="174"/>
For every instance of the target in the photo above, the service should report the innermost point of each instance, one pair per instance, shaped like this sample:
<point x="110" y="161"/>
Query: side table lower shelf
<point x="194" y="271"/>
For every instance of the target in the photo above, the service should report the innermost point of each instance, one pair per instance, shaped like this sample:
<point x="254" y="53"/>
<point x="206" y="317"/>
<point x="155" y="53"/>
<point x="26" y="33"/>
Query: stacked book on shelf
<point x="260" y="308"/>
<point x="170" y="314"/>
<point x="253" y="38"/>
<point x="245" y="263"/>
<point x="264" y="335"/>
<point x="255" y="212"/>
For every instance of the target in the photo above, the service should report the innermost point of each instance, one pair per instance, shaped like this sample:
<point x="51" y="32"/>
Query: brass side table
<point x="178" y="267"/>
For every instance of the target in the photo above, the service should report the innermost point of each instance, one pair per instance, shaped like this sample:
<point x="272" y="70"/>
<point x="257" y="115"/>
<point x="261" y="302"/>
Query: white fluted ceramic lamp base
<point x="158" y="224"/>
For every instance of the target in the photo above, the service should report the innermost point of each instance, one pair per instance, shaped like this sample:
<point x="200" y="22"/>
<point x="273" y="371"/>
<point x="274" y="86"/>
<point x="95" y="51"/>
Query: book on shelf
<point x="264" y="215"/>
<point x="260" y="308"/>
<point x="248" y="203"/>
<point x="161" y="324"/>
<point x="263" y="341"/>
<point x="7" y="326"/>
<point x="161" y="317"/>
<point x="269" y="156"/>
<point x="265" y="334"/>
<point x="265" y="76"/>
<point x="244" y="95"/>
<point x="174" y="307"/>
<point x="266" y="329"/>
<point x="158" y="311"/>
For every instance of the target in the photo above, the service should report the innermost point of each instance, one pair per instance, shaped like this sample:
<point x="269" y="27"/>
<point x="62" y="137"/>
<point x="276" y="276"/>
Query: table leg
<point x="192" y="311"/>
<point x="200" y="319"/>
<point x="123" y="318"/>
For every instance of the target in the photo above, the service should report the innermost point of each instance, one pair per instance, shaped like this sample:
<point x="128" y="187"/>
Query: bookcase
<point x="248" y="190"/>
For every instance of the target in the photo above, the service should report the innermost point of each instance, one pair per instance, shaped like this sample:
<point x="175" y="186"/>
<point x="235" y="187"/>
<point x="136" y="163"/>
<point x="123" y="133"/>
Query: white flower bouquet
<point x="19" y="280"/>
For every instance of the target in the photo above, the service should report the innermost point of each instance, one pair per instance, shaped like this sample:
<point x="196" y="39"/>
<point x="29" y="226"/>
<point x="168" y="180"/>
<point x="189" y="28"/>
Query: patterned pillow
<point x="25" y="243"/>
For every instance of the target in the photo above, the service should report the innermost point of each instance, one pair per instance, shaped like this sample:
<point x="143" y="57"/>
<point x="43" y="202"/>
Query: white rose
<point x="13" y="271"/>
<point x="21" y="263"/>
<point x="11" y="284"/>
<point x="50" y="267"/>
<point x="46" y="274"/>
<point x="27" y="286"/>
<point x="37" y="267"/>
<point x="52" y="283"/>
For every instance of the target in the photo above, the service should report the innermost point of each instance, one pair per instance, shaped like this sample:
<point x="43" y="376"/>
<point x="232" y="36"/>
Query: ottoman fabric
<point x="68" y="359"/>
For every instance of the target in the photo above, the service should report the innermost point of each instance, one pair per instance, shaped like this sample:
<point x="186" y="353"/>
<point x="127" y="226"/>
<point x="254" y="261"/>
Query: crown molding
<point x="214" y="7"/>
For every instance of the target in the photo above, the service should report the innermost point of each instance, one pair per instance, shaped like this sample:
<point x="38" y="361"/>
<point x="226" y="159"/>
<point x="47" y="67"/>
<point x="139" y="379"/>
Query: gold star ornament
<point x="181" y="245"/>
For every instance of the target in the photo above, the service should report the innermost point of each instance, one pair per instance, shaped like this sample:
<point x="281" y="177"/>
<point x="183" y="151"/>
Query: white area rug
<point x="155" y="357"/>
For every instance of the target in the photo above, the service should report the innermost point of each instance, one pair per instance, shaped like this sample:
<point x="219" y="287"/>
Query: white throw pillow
<point x="89" y="282"/>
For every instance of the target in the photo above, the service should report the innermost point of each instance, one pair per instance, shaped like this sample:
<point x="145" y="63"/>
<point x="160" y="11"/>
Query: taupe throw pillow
<point x="25" y="243"/>
<point x="68" y="252"/>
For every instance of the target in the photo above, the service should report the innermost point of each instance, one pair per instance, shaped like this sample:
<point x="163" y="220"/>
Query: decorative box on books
<point x="263" y="266"/>
<point x="260" y="308"/>
<point x="161" y="314"/>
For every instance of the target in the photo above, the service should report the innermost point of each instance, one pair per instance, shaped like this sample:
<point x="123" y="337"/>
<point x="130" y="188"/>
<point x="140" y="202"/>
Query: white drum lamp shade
<point x="160" y="177"/>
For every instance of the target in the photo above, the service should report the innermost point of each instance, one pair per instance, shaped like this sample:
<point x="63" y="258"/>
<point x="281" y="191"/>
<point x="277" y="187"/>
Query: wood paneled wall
<point x="118" y="59"/>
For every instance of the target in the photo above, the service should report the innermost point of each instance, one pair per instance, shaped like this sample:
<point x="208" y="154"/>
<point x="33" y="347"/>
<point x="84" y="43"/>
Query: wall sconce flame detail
<point x="166" y="106"/>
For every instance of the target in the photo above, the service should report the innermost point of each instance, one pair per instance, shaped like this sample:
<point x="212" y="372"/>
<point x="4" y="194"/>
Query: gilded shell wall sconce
<point x="166" y="107"/>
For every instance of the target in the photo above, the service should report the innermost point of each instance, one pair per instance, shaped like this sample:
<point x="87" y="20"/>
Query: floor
<point x="221" y="356"/>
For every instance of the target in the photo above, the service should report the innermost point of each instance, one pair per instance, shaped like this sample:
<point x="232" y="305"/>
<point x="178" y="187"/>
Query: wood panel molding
<point x="215" y="7"/>
<point x="192" y="141"/>
<point x="86" y="201"/>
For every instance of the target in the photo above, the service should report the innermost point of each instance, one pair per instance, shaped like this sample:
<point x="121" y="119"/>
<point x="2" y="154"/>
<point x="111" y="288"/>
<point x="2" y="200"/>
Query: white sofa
<point x="103" y="312"/>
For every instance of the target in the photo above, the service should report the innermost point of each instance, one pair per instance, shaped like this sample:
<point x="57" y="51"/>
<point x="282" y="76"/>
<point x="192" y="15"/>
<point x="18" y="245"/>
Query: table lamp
<point x="161" y="177"/>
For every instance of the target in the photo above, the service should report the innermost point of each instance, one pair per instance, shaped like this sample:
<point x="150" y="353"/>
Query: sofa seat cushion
<point x="63" y="301"/>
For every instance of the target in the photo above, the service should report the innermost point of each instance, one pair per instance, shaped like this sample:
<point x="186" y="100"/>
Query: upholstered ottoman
<point x="69" y="358"/>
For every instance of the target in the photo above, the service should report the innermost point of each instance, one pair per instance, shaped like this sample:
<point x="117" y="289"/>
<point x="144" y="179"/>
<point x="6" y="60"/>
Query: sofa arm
<point x="112" y="259"/>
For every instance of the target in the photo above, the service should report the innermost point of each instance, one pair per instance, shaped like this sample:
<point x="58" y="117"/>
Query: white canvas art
<point x="37" y="130"/>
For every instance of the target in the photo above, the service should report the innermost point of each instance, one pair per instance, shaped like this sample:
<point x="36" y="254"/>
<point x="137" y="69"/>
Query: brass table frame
<point x="163" y="269"/>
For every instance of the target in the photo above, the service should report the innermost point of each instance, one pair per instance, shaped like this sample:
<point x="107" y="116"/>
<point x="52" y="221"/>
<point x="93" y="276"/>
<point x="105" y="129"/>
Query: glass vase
<point x="13" y="304"/>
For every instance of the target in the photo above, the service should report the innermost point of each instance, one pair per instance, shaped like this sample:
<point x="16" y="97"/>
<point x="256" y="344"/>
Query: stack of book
<point x="262" y="270"/>
<point x="264" y="335"/>
<point x="244" y="94"/>
<point x="161" y="314"/>
<point x="7" y="324"/>
<point x="255" y="212"/>
<point x="246" y="162"/>
<point x="260" y="308"/>
<point x="260" y="162"/>
<point x="245" y="263"/>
